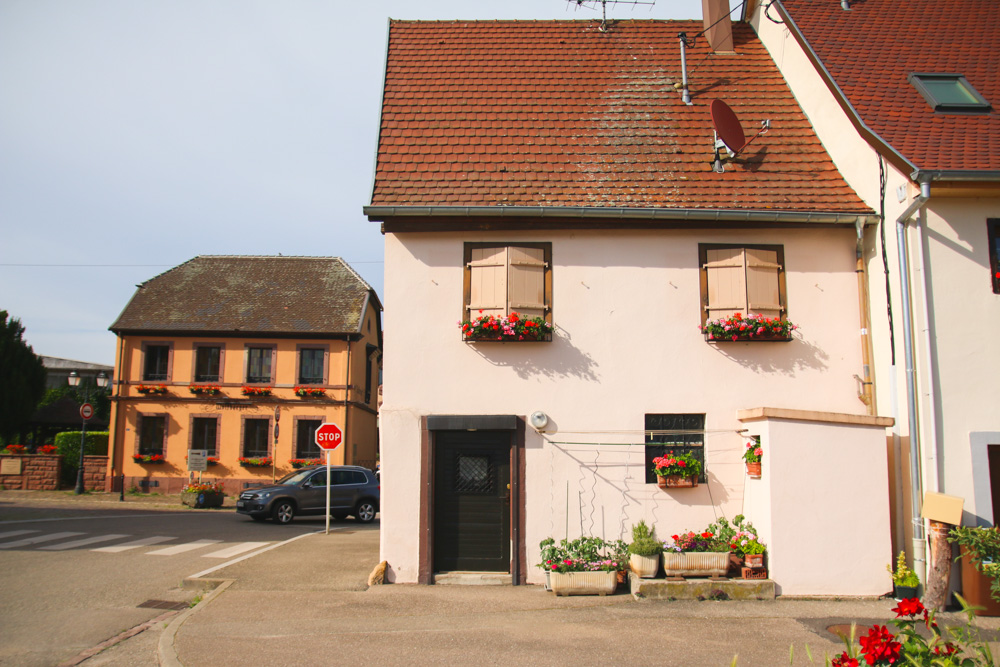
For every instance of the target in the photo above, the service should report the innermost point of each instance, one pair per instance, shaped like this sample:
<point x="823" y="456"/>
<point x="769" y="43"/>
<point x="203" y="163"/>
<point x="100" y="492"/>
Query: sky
<point x="135" y="135"/>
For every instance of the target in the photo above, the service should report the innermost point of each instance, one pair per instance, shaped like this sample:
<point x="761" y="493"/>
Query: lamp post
<point x="74" y="381"/>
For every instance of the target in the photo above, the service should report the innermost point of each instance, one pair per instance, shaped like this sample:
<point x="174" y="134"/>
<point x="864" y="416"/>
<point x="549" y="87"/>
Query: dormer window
<point x="949" y="93"/>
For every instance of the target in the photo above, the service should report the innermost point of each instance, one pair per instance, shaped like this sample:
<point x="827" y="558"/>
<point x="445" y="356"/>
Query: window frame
<point x="267" y="438"/>
<point x="655" y="447"/>
<point x="704" y="248"/>
<point x="993" y="234"/>
<point x="469" y="246"/>
<point x="196" y="351"/>
<point x="140" y="430"/>
<point x="146" y="346"/>
<point x="919" y="81"/>
<point x="193" y="418"/>
<point x="246" y="362"/>
<point x="299" y="350"/>
<point x="296" y="421"/>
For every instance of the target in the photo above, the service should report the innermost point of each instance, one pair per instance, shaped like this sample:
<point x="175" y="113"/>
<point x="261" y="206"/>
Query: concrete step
<point x="701" y="589"/>
<point x="472" y="579"/>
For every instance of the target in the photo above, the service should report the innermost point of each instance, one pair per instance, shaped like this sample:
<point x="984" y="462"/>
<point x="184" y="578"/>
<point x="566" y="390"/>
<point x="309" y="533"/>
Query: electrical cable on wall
<point x="885" y="258"/>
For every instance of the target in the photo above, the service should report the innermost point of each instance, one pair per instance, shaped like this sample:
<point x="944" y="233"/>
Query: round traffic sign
<point x="86" y="410"/>
<point x="329" y="436"/>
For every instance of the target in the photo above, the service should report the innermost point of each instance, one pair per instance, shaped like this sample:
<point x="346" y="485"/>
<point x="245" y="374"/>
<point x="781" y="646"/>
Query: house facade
<point x="918" y="137"/>
<point x="553" y="170"/>
<point x="244" y="357"/>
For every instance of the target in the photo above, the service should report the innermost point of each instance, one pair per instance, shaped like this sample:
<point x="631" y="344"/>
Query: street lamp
<point x="74" y="381"/>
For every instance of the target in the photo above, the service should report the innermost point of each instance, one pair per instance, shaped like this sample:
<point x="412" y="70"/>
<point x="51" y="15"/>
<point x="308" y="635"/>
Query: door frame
<point x="513" y="424"/>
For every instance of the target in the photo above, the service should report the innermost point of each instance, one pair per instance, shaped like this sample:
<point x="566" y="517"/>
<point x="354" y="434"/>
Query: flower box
<point x="303" y="463"/>
<point x="253" y="462"/>
<point x="149" y="458"/>
<point x="310" y="392"/>
<point x="149" y="389"/>
<point x="511" y="328"/>
<point x="696" y="564"/>
<point x="584" y="583"/>
<point x="751" y="328"/>
<point x="203" y="499"/>
<point x="676" y="481"/>
<point x="645" y="567"/>
<point x="256" y="391"/>
<point x="205" y="389"/>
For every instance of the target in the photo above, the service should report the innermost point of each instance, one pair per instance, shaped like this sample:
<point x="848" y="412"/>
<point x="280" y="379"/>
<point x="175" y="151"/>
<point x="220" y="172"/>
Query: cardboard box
<point x="943" y="508"/>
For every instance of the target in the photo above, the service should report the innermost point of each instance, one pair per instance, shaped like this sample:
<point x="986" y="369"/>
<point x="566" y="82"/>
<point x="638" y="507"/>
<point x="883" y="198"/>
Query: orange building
<point x="244" y="357"/>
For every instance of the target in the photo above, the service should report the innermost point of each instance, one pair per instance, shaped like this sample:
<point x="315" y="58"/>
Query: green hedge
<point x="68" y="444"/>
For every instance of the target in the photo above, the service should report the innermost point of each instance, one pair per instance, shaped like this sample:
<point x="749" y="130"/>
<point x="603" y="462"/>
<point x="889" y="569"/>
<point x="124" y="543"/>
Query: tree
<point x="22" y="377"/>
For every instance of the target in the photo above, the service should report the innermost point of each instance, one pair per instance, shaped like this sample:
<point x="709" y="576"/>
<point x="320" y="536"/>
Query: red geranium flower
<point x="844" y="660"/>
<point x="879" y="644"/>
<point x="909" y="607"/>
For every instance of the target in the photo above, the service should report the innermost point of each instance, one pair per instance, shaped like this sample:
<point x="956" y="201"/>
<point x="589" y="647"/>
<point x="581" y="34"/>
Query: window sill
<point x="747" y="339"/>
<point x="509" y="339"/>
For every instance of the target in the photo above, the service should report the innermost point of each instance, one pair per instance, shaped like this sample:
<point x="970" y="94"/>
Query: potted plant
<point x="749" y="328"/>
<point x="752" y="456"/>
<point x="980" y="567"/>
<point x="14" y="450"/>
<point x="580" y="567"/>
<point x="693" y="554"/>
<point x="254" y="461"/>
<point x="310" y="392"/>
<point x="149" y="458"/>
<point x="249" y="390"/>
<point x="151" y="389"/>
<point x="46" y="449"/>
<point x="733" y="534"/>
<point x="644" y="551"/>
<point x="676" y="470"/>
<point x="752" y="551"/>
<point x="206" y="389"/>
<point x="551" y="554"/>
<point x="303" y="463"/>
<point x="904" y="580"/>
<point x="203" y="495"/>
<point x="512" y="327"/>
<point x="618" y="551"/>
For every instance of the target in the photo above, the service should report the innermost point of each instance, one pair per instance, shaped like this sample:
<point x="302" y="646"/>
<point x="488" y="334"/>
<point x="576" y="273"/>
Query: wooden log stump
<point x="939" y="573"/>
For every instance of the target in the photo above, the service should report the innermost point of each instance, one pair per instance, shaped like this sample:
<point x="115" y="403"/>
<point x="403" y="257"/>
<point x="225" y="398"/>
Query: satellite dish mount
<point x="729" y="135"/>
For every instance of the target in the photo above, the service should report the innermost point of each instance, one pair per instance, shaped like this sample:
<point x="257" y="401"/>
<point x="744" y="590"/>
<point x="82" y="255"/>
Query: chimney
<point x="718" y="27"/>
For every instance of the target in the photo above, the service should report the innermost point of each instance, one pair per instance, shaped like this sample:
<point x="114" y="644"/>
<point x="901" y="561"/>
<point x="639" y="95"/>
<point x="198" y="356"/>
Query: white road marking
<point x="82" y="543"/>
<point x="38" y="538"/>
<point x="236" y="550"/>
<point x="13" y="533"/>
<point x="144" y="542"/>
<point x="181" y="548"/>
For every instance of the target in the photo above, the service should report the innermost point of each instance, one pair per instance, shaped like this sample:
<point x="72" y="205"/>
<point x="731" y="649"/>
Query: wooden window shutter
<point x="726" y="277"/>
<point x="526" y="281"/>
<point x="488" y="282"/>
<point x="763" y="279"/>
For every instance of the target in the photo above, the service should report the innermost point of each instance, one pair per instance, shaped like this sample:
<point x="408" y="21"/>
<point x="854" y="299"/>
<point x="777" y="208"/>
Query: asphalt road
<point x="73" y="577"/>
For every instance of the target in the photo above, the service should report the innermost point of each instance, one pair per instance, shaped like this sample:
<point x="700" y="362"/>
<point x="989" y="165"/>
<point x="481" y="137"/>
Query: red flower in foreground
<point x="844" y="660"/>
<point x="879" y="644"/>
<point x="909" y="607"/>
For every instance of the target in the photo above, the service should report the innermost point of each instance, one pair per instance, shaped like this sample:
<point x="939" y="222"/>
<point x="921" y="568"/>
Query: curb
<point x="166" y="651"/>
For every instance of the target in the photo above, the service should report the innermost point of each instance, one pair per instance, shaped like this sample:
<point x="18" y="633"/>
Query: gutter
<point x="927" y="175"/>
<point x="380" y="213"/>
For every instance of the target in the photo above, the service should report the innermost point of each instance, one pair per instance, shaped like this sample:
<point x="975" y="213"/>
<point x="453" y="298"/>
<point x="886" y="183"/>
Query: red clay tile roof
<point x="303" y="296"/>
<point x="556" y="113"/>
<point x="871" y="48"/>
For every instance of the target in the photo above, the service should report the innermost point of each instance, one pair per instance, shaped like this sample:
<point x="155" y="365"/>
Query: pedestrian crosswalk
<point x="66" y="541"/>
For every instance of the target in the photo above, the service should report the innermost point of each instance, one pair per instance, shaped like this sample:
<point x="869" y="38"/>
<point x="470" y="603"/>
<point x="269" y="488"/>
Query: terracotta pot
<point x="753" y="560"/>
<point x="753" y="470"/>
<point x="661" y="481"/>
<point x="676" y="481"/>
<point x="976" y="588"/>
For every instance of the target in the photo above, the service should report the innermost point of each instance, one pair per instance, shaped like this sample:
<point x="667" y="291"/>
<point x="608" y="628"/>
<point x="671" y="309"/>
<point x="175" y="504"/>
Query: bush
<point x="68" y="444"/>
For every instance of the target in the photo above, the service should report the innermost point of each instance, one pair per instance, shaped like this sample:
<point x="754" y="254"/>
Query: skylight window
<point x="949" y="93"/>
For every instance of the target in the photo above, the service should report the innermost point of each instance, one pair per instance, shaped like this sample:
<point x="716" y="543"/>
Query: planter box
<point x="644" y="566"/>
<point x="584" y="583"/>
<point x="707" y="564"/>
<point x="753" y="470"/>
<point x="202" y="499"/>
<point x="976" y="588"/>
<point x="676" y="482"/>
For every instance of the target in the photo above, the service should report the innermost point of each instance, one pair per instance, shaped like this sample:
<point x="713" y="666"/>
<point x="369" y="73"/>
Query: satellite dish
<point x="727" y="126"/>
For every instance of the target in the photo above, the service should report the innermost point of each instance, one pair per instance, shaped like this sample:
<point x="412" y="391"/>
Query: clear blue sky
<point x="135" y="135"/>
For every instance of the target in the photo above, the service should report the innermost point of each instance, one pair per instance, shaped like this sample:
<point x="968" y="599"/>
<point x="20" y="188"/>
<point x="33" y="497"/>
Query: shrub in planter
<point x="644" y="551"/>
<point x="904" y="580"/>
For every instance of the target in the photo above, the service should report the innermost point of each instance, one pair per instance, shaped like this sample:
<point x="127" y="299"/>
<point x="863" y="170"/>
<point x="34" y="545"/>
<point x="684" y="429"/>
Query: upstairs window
<point x="259" y="364"/>
<point x="311" y="365"/>
<point x="505" y="278"/>
<point x="742" y="279"/>
<point x="949" y="93"/>
<point x="207" y="363"/>
<point x="993" y="229"/>
<point x="156" y="364"/>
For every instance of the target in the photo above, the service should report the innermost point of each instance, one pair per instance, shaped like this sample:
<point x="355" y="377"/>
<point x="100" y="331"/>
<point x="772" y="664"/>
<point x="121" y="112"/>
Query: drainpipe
<point x="348" y="436"/>
<point x="866" y="392"/>
<point x="685" y="95"/>
<point x="930" y="390"/>
<point x="916" y="484"/>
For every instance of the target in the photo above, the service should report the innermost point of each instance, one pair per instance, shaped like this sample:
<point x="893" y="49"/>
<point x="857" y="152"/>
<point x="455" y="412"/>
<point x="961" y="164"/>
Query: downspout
<point x="916" y="484"/>
<point x="866" y="392"/>
<point x="348" y="436"/>
<point x="930" y="390"/>
<point x="116" y="392"/>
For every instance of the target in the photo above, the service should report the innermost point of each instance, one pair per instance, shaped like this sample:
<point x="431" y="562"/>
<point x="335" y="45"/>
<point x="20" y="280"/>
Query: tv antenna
<point x="729" y="134"/>
<point x="592" y="4"/>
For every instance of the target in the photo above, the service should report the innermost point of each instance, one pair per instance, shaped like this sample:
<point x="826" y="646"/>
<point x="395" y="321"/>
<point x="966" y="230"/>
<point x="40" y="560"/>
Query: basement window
<point x="949" y="93"/>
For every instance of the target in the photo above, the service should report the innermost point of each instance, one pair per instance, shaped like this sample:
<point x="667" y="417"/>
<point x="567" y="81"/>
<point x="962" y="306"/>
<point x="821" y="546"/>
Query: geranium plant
<point x="151" y="388"/>
<point x="14" y="450"/>
<point x="46" y="449"/>
<point x="751" y="327"/>
<point x="203" y="487"/>
<point x="691" y="541"/>
<point x="302" y="463"/>
<point x="207" y="389"/>
<point x="310" y="392"/>
<point x="753" y="452"/>
<point x="508" y="328"/>
<point x="584" y="554"/>
<point x="247" y="461"/>
<point x="256" y="391"/>
<point x="148" y="458"/>
<point x="684" y="465"/>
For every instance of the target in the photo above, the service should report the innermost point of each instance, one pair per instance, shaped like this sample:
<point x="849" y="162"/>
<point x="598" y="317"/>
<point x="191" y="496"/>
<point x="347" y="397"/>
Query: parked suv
<point x="354" y="491"/>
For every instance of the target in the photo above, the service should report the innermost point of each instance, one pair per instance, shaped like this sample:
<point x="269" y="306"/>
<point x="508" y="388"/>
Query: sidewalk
<point x="306" y="603"/>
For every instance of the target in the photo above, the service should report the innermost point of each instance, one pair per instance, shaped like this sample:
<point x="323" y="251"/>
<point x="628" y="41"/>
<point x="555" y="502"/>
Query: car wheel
<point x="365" y="511"/>
<point x="284" y="511"/>
<point x="257" y="517"/>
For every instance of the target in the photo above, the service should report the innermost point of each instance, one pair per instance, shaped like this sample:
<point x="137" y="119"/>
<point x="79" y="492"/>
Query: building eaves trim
<point x="977" y="175"/>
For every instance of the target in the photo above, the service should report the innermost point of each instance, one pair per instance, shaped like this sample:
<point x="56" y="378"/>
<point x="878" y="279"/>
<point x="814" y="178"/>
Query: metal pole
<point x="121" y="491"/>
<point x="83" y="439"/>
<point x="329" y="453"/>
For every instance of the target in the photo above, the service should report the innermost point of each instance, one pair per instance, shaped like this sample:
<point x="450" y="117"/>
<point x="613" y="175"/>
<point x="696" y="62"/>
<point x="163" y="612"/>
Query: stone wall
<point x="39" y="472"/>
<point x="95" y="470"/>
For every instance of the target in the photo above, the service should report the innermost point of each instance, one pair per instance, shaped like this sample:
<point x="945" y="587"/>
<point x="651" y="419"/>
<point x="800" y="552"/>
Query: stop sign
<point x="329" y="436"/>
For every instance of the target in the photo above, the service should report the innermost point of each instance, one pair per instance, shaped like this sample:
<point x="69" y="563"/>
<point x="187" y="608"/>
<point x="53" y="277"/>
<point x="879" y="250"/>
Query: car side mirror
<point x="306" y="485"/>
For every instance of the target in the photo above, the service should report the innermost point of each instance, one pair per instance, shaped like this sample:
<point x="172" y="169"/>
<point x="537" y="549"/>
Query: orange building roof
<point x="560" y="114"/>
<point x="870" y="50"/>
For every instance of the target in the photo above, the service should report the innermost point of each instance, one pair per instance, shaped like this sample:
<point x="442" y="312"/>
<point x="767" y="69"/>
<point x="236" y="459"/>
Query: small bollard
<point x="121" y="489"/>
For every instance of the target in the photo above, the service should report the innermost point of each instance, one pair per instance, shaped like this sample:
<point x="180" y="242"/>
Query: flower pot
<point x="678" y="482"/>
<point x="584" y="583"/>
<point x="753" y="470"/>
<point x="661" y="481"/>
<point x="696" y="564"/>
<point x="753" y="560"/>
<point x="202" y="499"/>
<point x="976" y="588"/>
<point x="548" y="580"/>
<point x="645" y="567"/>
<point x="903" y="592"/>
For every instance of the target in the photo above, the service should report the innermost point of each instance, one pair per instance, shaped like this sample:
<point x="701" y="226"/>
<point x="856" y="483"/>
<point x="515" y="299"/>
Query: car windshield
<point x="295" y="477"/>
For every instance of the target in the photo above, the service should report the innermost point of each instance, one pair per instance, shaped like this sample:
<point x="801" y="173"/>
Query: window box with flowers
<point x="256" y="391"/>
<point x="691" y="554"/>
<point x="584" y="566"/>
<point x="255" y="461"/>
<point x="305" y="463"/>
<point x="151" y="389"/>
<point x="310" y="392"/>
<point x="200" y="496"/>
<point x="676" y="470"/>
<point x="14" y="450"/>
<point x="737" y="328"/>
<point x="149" y="458"/>
<point x="510" y="328"/>
<point x="47" y="450"/>
<point x="752" y="456"/>
<point x="205" y="389"/>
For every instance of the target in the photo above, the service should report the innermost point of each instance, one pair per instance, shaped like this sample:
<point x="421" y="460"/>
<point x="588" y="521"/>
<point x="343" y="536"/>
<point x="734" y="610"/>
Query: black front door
<point x="472" y="501"/>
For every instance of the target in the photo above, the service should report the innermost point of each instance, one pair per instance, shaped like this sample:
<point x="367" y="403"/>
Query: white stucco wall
<point x="626" y="310"/>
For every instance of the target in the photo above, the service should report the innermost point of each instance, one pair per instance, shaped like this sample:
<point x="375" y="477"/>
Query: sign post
<point x="198" y="461"/>
<point x="328" y="438"/>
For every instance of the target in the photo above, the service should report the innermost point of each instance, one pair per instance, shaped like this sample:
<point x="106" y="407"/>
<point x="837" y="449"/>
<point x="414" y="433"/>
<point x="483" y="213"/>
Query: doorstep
<point x="472" y="578"/>
<point x="701" y="589"/>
